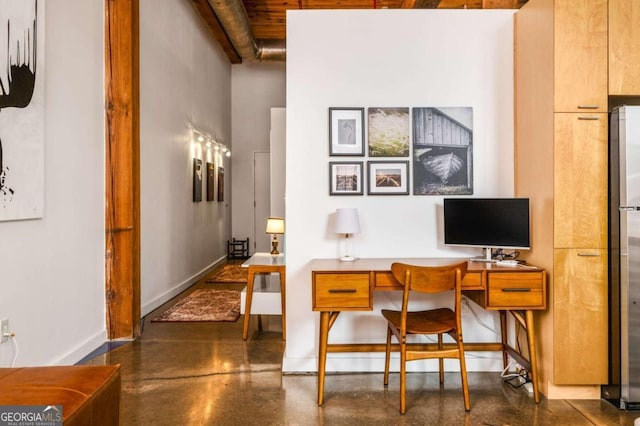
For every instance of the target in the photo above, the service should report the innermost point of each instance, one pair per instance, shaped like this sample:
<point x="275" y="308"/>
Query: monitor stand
<point x="488" y="257"/>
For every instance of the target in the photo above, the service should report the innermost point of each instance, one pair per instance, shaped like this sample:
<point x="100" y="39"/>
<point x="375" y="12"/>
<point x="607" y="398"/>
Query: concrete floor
<point x="205" y="374"/>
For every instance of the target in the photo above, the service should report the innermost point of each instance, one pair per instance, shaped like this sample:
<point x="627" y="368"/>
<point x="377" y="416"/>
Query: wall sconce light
<point x="275" y="226"/>
<point x="346" y="223"/>
<point x="209" y="141"/>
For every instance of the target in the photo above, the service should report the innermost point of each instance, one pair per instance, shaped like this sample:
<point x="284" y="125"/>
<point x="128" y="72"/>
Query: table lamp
<point x="275" y="226"/>
<point x="347" y="223"/>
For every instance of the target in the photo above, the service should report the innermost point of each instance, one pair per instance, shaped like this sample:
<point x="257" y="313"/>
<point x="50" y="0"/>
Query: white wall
<point x="52" y="269"/>
<point x="256" y="88"/>
<point x="185" y="80"/>
<point x="421" y="58"/>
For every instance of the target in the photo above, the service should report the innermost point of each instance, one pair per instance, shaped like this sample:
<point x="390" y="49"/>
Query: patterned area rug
<point x="229" y="273"/>
<point x="204" y="304"/>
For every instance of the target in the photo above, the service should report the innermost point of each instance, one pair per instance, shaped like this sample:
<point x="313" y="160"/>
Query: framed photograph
<point x="345" y="178"/>
<point x="346" y="131"/>
<point x="211" y="178"/>
<point x="443" y="151"/>
<point x="388" y="177"/>
<point x="388" y="132"/>
<point x="220" y="183"/>
<point x="197" y="179"/>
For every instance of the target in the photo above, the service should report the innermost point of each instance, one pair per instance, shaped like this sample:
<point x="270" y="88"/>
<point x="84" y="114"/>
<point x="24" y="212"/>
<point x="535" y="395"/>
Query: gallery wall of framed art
<point x="436" y="144"/>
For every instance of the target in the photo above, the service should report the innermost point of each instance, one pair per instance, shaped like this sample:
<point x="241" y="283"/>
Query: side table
<point x="264" y="263"/>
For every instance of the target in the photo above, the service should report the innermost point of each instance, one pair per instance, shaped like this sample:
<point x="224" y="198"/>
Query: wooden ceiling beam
<point x="420" y="4"/>
<point x="203" y="7"/>
<point x="500" y="4"/>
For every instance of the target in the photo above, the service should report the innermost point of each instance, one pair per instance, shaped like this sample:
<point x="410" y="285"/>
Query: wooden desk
<point x="349" y="286"/>
<point x="264" y="263"/>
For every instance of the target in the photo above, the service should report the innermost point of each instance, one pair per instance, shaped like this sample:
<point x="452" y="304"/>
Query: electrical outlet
<point x="4" y="330"/>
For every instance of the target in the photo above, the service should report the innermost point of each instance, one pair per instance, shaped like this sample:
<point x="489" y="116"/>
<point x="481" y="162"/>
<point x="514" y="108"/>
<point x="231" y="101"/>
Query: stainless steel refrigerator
<point x="624" y="258"/>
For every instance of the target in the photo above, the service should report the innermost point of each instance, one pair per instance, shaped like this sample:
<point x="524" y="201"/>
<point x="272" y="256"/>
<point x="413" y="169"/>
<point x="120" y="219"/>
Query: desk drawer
<point x="472" y="280"/>
<point x="516" y="290"/>
<point x="385" y="281"/>
<point x="341" y="291"/>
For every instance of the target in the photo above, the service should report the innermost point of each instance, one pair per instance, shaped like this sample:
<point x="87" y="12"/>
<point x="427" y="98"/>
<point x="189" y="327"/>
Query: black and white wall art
<point x="443" y="151"/>
<point x="21" y="109"/>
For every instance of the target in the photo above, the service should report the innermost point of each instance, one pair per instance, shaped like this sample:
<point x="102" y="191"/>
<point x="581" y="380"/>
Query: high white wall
<point x="256" y="88"/>
<point x="52" y="269"/>
<point x="185" y="80"/>
<point x="393" y="58"/>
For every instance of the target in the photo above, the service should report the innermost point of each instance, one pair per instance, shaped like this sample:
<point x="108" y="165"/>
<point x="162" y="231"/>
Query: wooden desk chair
<point x="427" y="279"/>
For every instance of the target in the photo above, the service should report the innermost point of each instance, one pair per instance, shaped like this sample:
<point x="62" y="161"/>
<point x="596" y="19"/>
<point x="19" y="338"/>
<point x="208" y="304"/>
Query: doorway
<point x="261" y="200"/>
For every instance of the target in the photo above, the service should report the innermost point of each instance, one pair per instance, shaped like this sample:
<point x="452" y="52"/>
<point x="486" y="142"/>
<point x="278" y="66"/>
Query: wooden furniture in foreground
<point x="89" y="394"/>
<point x="431" y="280"/>
<point x="349" y="286"/>
<point x="264" y="263"/>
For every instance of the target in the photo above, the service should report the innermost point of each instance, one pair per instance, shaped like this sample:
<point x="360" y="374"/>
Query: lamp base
<point x="274" y="246"/>
<point x="347" y="259"/>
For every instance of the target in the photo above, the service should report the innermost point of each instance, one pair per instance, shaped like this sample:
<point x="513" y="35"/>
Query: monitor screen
<point x="487" y="222"/>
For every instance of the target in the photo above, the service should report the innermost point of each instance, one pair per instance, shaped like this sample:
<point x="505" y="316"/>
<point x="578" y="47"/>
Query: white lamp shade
<point x="347" y="221"/>
<point x="275" y="225"/>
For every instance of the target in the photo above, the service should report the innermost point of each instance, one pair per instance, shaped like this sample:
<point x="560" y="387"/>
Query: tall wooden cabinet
<point x="624" y="47"/>
<point x="561" y="165"/>
<point x="580" y="55"/>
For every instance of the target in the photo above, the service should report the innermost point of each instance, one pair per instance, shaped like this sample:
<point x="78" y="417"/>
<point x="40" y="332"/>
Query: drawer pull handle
<point x="342" y="290"/>
<point x="589" y="254"/>
<point x="589" y="118"/>
<point x="517" y="290"/>
<point x="588" y="107"/>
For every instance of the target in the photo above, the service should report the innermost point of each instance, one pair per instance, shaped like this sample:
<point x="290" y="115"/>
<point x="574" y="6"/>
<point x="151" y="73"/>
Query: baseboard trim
<point x="81" y="351"/>
<point x="159" y="300"/>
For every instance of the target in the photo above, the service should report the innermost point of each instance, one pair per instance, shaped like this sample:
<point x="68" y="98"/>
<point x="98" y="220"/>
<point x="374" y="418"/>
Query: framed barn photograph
<point x="388" y="177"/>
<point x="345" y="178"/>
<point x="346" y="131"/>
<point x="443" y="151"/>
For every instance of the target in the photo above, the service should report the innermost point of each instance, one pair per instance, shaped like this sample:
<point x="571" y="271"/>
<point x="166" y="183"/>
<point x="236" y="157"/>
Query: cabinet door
<point x="580" y="317"/>
<point x="580" y="55"/>
<point x="580" y="180"/>
<point x="624" y="47"/>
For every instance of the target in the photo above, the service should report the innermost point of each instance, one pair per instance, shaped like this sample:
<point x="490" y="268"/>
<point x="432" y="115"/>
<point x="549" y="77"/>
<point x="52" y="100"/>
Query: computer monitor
<point x="490" y="223"/>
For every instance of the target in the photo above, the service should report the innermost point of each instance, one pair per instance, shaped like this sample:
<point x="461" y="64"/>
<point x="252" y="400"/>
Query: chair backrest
<point x="428" y="279"/>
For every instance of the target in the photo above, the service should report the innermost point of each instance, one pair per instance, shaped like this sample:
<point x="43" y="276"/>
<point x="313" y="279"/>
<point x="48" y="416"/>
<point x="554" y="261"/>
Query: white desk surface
<point x="264" y="259"/>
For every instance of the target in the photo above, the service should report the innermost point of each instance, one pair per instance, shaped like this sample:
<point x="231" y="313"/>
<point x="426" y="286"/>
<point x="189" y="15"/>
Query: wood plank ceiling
<point x="267" y="18"/>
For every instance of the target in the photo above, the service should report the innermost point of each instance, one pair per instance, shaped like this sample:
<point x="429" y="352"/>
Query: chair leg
<point x="440" y="360"/>
<point x="463" y="374"/>
<point x="387" y="357"/>
<point x="403" y="377"/>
